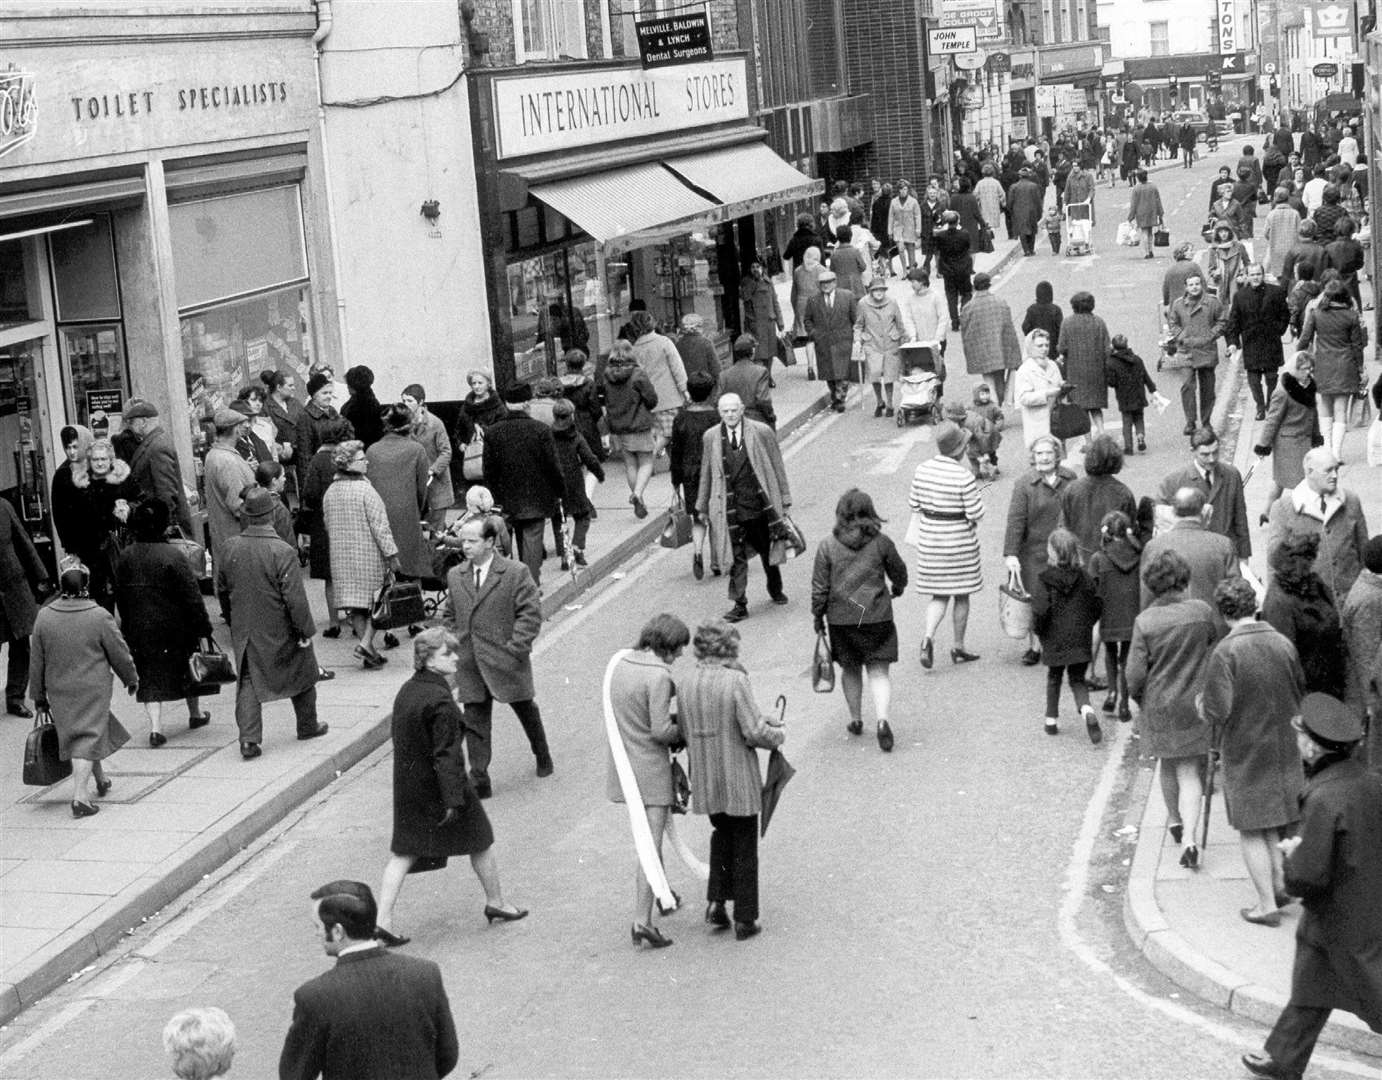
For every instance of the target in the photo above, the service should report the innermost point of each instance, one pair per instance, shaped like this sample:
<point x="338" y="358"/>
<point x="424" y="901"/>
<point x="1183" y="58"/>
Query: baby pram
<point x="1079" y="227"/>
<point x="922" y="382"/>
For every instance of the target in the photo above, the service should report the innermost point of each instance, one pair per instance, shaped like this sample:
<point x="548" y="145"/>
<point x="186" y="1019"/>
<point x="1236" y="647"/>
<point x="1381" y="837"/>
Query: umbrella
<point x="1211" y="767"/>
<point x="779" y="772"/>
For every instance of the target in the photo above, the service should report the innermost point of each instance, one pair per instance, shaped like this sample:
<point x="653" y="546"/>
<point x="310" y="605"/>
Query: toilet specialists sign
<point x="559" y="110"/>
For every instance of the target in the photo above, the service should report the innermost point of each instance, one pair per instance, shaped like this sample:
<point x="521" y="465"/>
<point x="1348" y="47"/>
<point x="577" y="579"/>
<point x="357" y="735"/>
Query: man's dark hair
<point x="1204" y="435"/>
<point x="349" y="905"/>
<point x="664" y="634"/>
<point x="1104" y="456"/>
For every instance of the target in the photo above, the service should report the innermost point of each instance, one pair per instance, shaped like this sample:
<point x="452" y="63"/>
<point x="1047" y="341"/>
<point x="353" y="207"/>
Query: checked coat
<point x="989" y="337"/>
<point x="360" y="541"/>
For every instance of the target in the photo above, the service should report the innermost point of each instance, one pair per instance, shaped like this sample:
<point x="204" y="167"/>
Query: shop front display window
<point x="551" y="303"/>
<point x="24" y="474"/>
<point x="674" y="279"/>
<point x="96" y="372"/>
<point x="16" y="301"/>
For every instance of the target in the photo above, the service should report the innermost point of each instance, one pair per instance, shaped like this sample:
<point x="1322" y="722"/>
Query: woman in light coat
<point x="76" y="650"/>
<point x="641" y="695"/>
<point x="657" y="356"/>
<point x="362" y="546"/>
<point x="1036" y="386"/>
<point x="904" y="223"/>
<point x="430" y="433"/>
<point x="880" y="332"/>
<point x="806" y="283"/>
<point x="1337" y="333"/>
<point x="722" y="726"/>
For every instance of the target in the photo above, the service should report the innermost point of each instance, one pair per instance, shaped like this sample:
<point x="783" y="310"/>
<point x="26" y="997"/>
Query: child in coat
<point x="1127" y="374"/>
<point x="1303" y="292"/>
<point x="1052" y="223"/>
<point x="982" y="448"/>
<point x="1065" y="608"/>
<point x="1116" y="569"/>
<point x="688" y="433"/>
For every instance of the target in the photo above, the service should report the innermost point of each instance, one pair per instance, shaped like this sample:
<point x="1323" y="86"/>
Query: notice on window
<point x="678" y="39"/>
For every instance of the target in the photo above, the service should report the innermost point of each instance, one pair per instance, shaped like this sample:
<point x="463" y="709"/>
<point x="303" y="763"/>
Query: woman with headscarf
<point x="76" y="651"/>
<point x="71" y="505"/>
<point x="879" y="331"/>
<point x="806" y="283"/>
<point x="1045" y="313"/>
<point x="1339" y="337"/>
<point x="1084" y="347"/>
<point x="363" y="410"/>
<point x="1037" y="384"/>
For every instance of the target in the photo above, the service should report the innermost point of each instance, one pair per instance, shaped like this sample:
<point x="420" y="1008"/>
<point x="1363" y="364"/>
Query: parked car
<point x="1201" y="124"/>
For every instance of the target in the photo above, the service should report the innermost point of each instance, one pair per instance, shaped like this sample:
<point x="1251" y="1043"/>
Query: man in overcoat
<point x="377" y="1014"/>
<point x="21" y="573"/>
<point x="1144" y="209"/>
<point x="1334" y="864"/>
<point x="750" y="382"/>
<point x="1222" y="487"/>
<point x="1361" y="616"/>
<point x="1210" y="555"/>
<point x="271" y="626"/>
<point x="829" y="322"/>
<point x="1257" y="318"/>
<point x="1318" y="505"/>
<point x="1024" y="204"/>
<point x="992" y="347"/>
<point x="225" y="477"/>
<point x="744" y="491"/>
<point x="1197" y="322"/>
<point x="154" y="464"/>
<point x="495" y="614"/>
<point x="523" y="475"/>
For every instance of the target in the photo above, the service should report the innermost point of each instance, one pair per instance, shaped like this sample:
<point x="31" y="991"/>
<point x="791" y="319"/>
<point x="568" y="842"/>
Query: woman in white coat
<point x="1036" y="386"/>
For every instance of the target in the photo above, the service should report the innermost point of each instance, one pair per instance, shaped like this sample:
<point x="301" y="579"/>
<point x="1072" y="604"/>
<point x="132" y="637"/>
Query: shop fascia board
<point x="718" y="216"/>
<point x="32" y="25"/>
<point x="1193" y="66"/>
<point x="515" y="178"/>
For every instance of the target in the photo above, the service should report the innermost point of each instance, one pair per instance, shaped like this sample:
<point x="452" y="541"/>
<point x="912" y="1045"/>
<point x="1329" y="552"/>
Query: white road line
<point x="1076" y="883"/>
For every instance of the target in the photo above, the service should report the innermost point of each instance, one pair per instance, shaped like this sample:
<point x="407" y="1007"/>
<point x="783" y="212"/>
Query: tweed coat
<point x="850" y="267"/>
<point x="722" y="727"/>
<point x="1252" y="689"/>
<point x="20" y="570"/>
<point x="1224" y="492"/>
<point x="762" y="317"/>
<point x="359" y="539"/>
<point x="1361" y="616"/>
<point x="641" y="693"/>
<point x="399" y="473"/>
<point x="1342" y="537"/>
<point x="496" y="630"/>
<point x="1033" y="515"/>
<point x="226" y="475"/>
<point x="1024" y="205"/>
<point x="1196" y="326"/>
<point x="1210" y="555"/>
<point x="155" y="471"/>
<point x="881" y="331"/>
<point x="429" y="775"/>
<point x="987" y="333"/>
<point x="831" y="327"/>
<point x="1145" y="207"/>
<point x="269" y="614"/>
<point x="75" y="651"/>
<point x="1257" y="318"/>
<point x="430" y="433"/>
<point x="377" y="1015"/>
<point x="751" y="381"/>
<point x="161" y="615"/>
<point x="1339" y="339"/>
<point x="1282" y="231"/>
<point x="712" y="499"/>
<point x="1171" y="645"/>
<point x="1084" y="345"/>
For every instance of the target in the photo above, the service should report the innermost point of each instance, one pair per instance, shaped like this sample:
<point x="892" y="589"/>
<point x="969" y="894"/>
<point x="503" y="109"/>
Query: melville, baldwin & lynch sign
<point x="677" y="39"/>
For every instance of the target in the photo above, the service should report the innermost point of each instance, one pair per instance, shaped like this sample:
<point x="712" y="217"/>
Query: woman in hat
<point x="880" y="331"/>
<point x="76" y="651"/>
<point x="1225" y="263"/>
<point x="1037" y="384"/>
<point x="363" y="410"/>
<point x="321" y="393"/>
<point x="947" y="499"/>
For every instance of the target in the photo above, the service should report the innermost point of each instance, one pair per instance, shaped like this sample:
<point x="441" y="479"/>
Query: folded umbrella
<point x="779" y="772"/>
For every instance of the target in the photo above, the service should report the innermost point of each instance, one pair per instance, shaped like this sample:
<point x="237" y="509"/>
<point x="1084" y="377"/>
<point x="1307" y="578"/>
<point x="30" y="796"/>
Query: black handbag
<point x="399" y="603"/>
<point x="1068" y="420"/>
<point x="43" y="765"/>
<point x="677" y="532"/>
<point x="1161" y="238"/>
<point x="208" y="666"/>
<point x="822" y="666"/>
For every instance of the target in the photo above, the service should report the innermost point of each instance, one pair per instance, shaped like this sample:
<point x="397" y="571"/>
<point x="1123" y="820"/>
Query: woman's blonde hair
<point x="201" y="1043"/>
<point x="433" y="640"/>
<point x="716" y="640"/>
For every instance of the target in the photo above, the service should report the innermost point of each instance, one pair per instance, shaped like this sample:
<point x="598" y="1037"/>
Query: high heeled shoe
<point x="83" y="809"/>
<point x="928" y="654"/>
<point x="492" y="913"/>
<point x="157" y="739"/>
<point x="1190" y="858"/>
<point x="960" y="656"/>
<point x="649" y="935"/>
<point x="885" y="737"/>
<point x="104" y="785"/>
<point x="855" y="727"/>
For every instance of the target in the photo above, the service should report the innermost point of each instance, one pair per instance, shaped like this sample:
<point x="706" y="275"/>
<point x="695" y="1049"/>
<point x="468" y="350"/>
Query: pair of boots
<point x="1117" y="699"/>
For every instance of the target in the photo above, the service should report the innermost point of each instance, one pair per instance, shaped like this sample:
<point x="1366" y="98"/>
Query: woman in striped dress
<point x="946" y="497"/>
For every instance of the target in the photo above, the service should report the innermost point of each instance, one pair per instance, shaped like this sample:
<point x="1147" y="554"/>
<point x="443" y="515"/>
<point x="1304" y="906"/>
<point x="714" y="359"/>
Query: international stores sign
<point x="537" y="114"/>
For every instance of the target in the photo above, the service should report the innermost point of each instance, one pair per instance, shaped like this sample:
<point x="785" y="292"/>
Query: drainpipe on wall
<point x="324" y="22"/>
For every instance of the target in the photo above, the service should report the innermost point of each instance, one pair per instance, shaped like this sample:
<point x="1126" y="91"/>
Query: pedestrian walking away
<point x="1065" y="609"/>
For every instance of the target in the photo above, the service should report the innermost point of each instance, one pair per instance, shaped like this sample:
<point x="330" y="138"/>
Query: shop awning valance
<point x="744" y="178"/>
<point x="618" y="202"/>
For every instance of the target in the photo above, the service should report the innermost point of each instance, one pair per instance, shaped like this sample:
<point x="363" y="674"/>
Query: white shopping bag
<point x="1375" y="443"/>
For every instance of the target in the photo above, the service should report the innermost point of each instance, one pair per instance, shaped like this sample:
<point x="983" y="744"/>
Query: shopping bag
<point x="1125" y="230"/>
<point x="822" y="666"/>
<point x="43" y="764"/>
<point x="1375" y="443"/>
<point x="473" y="458"/>
<point x="1014" y="608"/>
<point x="677" y="532"/>
<point x="399" y="603"/>
<point x="209" y="665"/>
<point x="913" y="535"/>
<point x="1068" y="420"/>
<point x="1161" y="238"/>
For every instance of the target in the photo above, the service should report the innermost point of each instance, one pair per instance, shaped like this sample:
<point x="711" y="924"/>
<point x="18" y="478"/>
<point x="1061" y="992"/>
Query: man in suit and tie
<point x="374" y="1016"/>
<point x="743" y="488"/>
<point x="495" y="614"/>
<point x="1222" y="486"/>
<point x="828" y="319"/>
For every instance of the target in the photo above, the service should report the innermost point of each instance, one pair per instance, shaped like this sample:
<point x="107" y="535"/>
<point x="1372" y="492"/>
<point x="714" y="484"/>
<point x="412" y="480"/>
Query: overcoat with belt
<point x="269" y="614"/>
<point x="831" y="327"/>
<point x="496" y="630"/>
<point x="20" y="571"/>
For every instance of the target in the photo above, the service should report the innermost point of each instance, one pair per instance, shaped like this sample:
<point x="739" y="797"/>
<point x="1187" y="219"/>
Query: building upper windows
<point x="549" y="30"/>
<point x="1160" y="34"/>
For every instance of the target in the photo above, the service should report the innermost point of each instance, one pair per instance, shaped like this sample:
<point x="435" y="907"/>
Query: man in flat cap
<point x="828" y="319"/>
<point x="1334" y="864"/>
<point x="225" y="477"/>
<point x="154" y="467"/>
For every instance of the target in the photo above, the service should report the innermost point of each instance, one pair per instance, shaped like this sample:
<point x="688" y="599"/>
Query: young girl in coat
<point x="1115" y="568"/>
<point x="1065" y="607"/>
<point x="1127" y="374"/>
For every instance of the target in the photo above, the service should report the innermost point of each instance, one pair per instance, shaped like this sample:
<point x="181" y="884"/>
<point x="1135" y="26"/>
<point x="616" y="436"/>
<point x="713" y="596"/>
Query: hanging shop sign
<point x="972" y="61"/>
<point x="679" y="39"/>
<point x="1325" y="71"/>
<point x="952" y="39"/>
<point x="537" y="114"/>
<point x="18" y="109"/>
<point x="1227" y="26"/>
<point x="984" y="15"/>
<point x="1332" y="20"/>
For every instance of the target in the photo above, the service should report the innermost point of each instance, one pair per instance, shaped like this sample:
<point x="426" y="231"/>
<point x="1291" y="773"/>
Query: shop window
<point x="96" y="368"/>
<point x="231" y="245"/>
<point x="84" y="278"/>
<point x="549" y="30"/>
<point x="1160" y="34"/>
<point x="15" y="299"/>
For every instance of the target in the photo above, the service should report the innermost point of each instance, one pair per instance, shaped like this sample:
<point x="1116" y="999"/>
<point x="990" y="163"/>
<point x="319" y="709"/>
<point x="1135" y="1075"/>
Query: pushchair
<point x="922" y="383"/>
<point x="1079" y="227"/>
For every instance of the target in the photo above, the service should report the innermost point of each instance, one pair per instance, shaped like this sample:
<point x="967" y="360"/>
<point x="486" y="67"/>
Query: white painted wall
<point x="414" y="296"/>
<point x="1128" y="22"/>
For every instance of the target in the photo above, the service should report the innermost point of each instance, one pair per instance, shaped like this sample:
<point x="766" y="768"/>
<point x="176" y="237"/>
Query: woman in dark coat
<point x="363" y="410"/>
<point x="1291" y="429"/>
<point x="1171" y="643"/>
<point x="972" y="220"/>
<point x="1045" y="314"/>
<point x="1299" y="604"/>
<point x="1339" y="339"/>
<point x="317" y="476"/>
<point x="1114" y="569"/>
<point x="1084" y="346"/>
<point x="1033" y="515"/>
<point x="111" y="494"/>
<point x="1085" y="502"/>
<point x="1127" y="374"/>
<point x="162" y="617"/>
<point x="574" y="457"/>
<point x="71" y="505"/>
<point x="479" y="409"/>
<point x="1252" y="689"/>
<point x="436" y="813"/>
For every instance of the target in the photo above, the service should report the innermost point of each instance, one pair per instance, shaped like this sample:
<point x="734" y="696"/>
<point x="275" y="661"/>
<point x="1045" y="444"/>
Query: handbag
<point x="399" y="603"/>
<point x="1161" y="238"/>
<point x="43" y="763"/>
<point x="1068" y="420"/>
<point x="1014" y="608"/>
<point x="473" y="459"/>
<point x="822" y="666"/>
<point x="785" y="349"/>
<point x="209" y="665"/>
<point x="681" y="789"/>
<point x="195" y="555"/>
<point x="985" y="240"/>
<point x="677" y="532"/>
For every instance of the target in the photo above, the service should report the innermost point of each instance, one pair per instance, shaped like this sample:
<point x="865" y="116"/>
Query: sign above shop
<point x="679" y="39"/>
<point x="559" y="110"/>
<point x="18" y="109"/>
<point x="999" y="62"/>
<point x="1325" y="71"/>
<point x="1227" y="26"/>
<point x="983" y="15"/>
<point x="952" y="39"/>
<point x="1333" y="19"/>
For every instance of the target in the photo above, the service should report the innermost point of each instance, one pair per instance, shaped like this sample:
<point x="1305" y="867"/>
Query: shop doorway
<point x="25" y="444"/>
